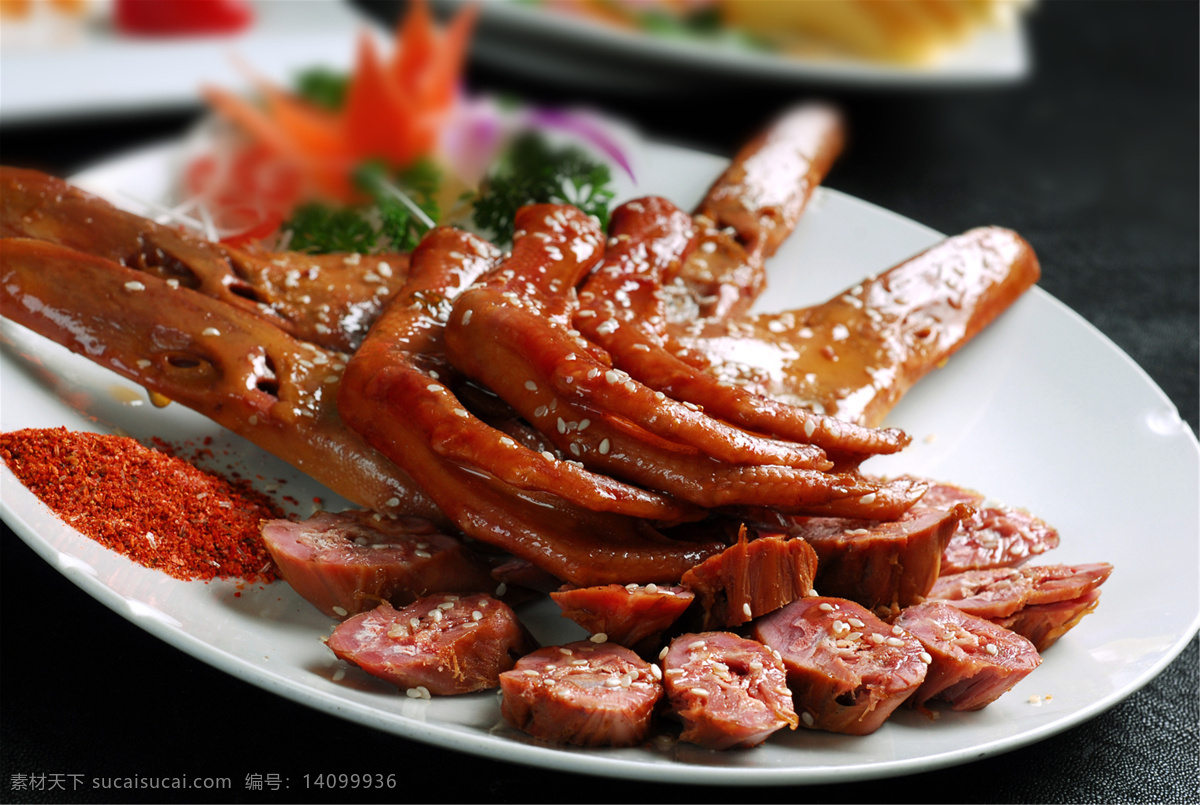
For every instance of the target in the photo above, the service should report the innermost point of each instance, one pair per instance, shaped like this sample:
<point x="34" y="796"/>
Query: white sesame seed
<point x="341" y="611"/>
<point x="501" y="589"/>
<point x="466" y="317"/>
<point x="530" y="385"/>
<point x="604" y="447"/>
<point x="698" y="692"/>
<point x="564" y="650"/>
<point x="992" y="649"/>
<point x="612" y="682"/>
<point x="868" y="498"/>
<point x="926" y="657"/>
<point x="433" y="387"/>
<point x="826" y="607"/>
<point x="210" y="331"/>
<point x="697" y="644"/>
<point x="747" y="611"/>
<point x="599" y="637"/>
<point x="655" y="671"/>
<point x="807" y="718"/>
<point x="895" y="641"/>
<point x="422" y="554"/>
<point x="134" y="285"/>
<point x="662" y="655"/>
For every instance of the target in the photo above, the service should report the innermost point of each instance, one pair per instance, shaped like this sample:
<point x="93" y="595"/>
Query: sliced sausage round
<point x="972" y="660"/>
<point x="848" y="670"/>
<point x="349" y="562"/>
<point x="728" y="690"/>
<point x="441" y="645"/>
<point x="583" y="693"/>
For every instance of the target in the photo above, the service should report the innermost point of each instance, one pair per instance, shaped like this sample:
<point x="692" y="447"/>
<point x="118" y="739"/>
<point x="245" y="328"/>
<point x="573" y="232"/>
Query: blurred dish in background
<point x="889" y="42"/>
<point x="68" y="59"/>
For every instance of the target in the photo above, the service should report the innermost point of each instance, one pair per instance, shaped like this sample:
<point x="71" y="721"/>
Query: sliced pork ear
<point x="440" y="645"/>
<point x="631" y="615"/>
<point x="751" y="578"/>
<point x="994" y="536"/>
<point x="349" y="562"/>
<point x="973" y="661"/>
<point x="848" y="670"/>
<point x="583" y="693"/>
<point x="729" y="691"/>
<point x="880" y="564"/>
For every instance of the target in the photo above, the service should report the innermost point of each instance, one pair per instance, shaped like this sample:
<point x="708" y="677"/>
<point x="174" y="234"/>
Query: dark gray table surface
<point x="1094" y="159"/>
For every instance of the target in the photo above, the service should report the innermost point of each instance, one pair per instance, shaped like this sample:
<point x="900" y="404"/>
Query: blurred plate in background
<point x="555" y="46"/>
<point x="53" y="69"/>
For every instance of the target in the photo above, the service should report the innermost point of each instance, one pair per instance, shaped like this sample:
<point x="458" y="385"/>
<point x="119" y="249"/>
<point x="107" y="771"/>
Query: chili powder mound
<point x="156" y="509"/>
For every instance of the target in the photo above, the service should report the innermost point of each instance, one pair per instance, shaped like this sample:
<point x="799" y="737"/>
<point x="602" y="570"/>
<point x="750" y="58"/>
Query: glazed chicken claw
<point x="398" y="393"/>
<point x="751" y="208"/>
<point x="622" y="309"/>
<point x="511" y="333"/>
<point x="855" y="356"/>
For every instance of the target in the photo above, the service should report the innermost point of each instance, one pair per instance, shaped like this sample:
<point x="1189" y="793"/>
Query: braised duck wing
<point x="349" y="562"/>
<point x="440" y="645"/>
<point x="583" y="693"/>
<point x="329" y="300"/>
<point x="855" y="356"/>
<point x="973" y="661"/>
<point x="729" y="691"/>
<point x="230" y="365"/>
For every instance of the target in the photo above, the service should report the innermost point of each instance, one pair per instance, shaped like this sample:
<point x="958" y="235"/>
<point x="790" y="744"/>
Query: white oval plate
<point x="559" y="47"/>
<point x="1039" y="411"/>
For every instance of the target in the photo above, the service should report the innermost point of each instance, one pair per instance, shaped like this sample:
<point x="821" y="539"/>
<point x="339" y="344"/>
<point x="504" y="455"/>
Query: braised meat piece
<point x="441" y="645"/>
<point x="729" y="691"/>
<point x="847" y="669"/>
<point x="584" y="693"/>
<point x="347" y="563"/>
<point x="974" y="661"/>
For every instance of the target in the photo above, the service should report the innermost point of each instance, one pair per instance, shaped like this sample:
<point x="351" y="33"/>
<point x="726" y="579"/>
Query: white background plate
<point x="580" y="51"/>
<point x="1039" y="411"/>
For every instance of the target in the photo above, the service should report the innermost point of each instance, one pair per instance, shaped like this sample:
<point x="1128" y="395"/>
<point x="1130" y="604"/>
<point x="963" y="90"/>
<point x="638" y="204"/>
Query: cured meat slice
<point x="848" y="670"/>
<point x="631" y="615"/>
<point x="888" y="564"/>
<point x="1041" y="602"/>
<point x="583" y="693"/>
<point x="729" y="691"/>
<point x="751" y="578"/>
<point x="994" y="536"/>
<point x="1002" y="592"/>
<point x="973" y="661"/>
<point x="349" y="562"/>
<point x="1044" y="624"/>
<point x="440" y="645"/>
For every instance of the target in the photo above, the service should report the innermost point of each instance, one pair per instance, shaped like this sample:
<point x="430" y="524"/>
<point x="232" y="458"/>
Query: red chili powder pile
<point x="156" y="509"/>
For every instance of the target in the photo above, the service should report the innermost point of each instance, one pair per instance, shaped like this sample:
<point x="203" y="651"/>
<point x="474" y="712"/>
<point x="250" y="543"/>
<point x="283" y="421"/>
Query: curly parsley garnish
<point x="403" y="207"/>
<point x="534" y="172"/>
